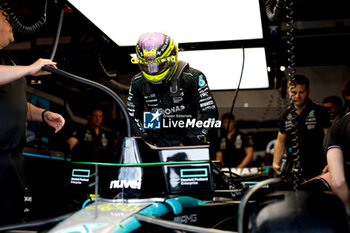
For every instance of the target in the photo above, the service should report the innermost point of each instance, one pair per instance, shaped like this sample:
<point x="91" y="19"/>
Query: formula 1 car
<point x="178" y="189"/>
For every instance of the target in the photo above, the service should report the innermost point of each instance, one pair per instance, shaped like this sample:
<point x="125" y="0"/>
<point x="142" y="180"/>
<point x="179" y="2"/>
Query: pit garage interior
<point x="321" y="49"/>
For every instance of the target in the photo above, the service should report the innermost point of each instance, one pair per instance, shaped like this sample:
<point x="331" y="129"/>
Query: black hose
<point x="236" y="93"/>
<point x="58" y="33"/>
<point x="239" y="82"/>
<point x="98" y="86"/>
<point x="297" y="171"/>
<point x="247" y="196"/>
<point x="17" y="25"/>
<point x="119" y="87"/>
<point x="108" y="74"/>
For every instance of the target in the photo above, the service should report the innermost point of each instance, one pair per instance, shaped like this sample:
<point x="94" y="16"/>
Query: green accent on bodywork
<point x="144" y="164"/>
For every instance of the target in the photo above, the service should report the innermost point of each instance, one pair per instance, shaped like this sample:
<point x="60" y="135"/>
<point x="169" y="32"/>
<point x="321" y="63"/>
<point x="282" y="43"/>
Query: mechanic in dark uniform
<point x="91" y="143"/>
<point x="337" y="146"/>
<point x="14" y="112"/>
<point x="172" y="91"/>
<point x="334" y="104"/>
<point x="236" y="147"/>
<point x="346" y="96"/>
<point x="312" y="123"/>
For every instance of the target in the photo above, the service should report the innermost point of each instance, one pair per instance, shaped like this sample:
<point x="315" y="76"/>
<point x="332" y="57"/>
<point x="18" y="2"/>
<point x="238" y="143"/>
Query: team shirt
<point x="311" y="123"/>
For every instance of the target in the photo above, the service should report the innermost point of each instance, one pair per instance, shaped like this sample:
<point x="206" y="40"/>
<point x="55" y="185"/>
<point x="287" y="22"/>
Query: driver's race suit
<point x="178" y="102"/>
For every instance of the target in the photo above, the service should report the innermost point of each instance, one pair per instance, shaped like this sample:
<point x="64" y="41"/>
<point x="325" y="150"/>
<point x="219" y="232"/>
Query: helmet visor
<point x="154" y="67"/>
<point x="157" y="66"/>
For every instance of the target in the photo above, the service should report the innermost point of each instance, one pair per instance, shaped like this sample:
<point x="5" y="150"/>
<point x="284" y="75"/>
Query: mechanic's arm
<point x="249" y="151"/>
<point x="278" y="151"/>
<point x="219" y="157"/>
<point x="336" y="170"/>
<point x="325" y="131"/>
<point x="10" y="73"/>
<point x="54" y="120"/>
<point x="135" y="106"/>
<point x="72" y="141"/>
